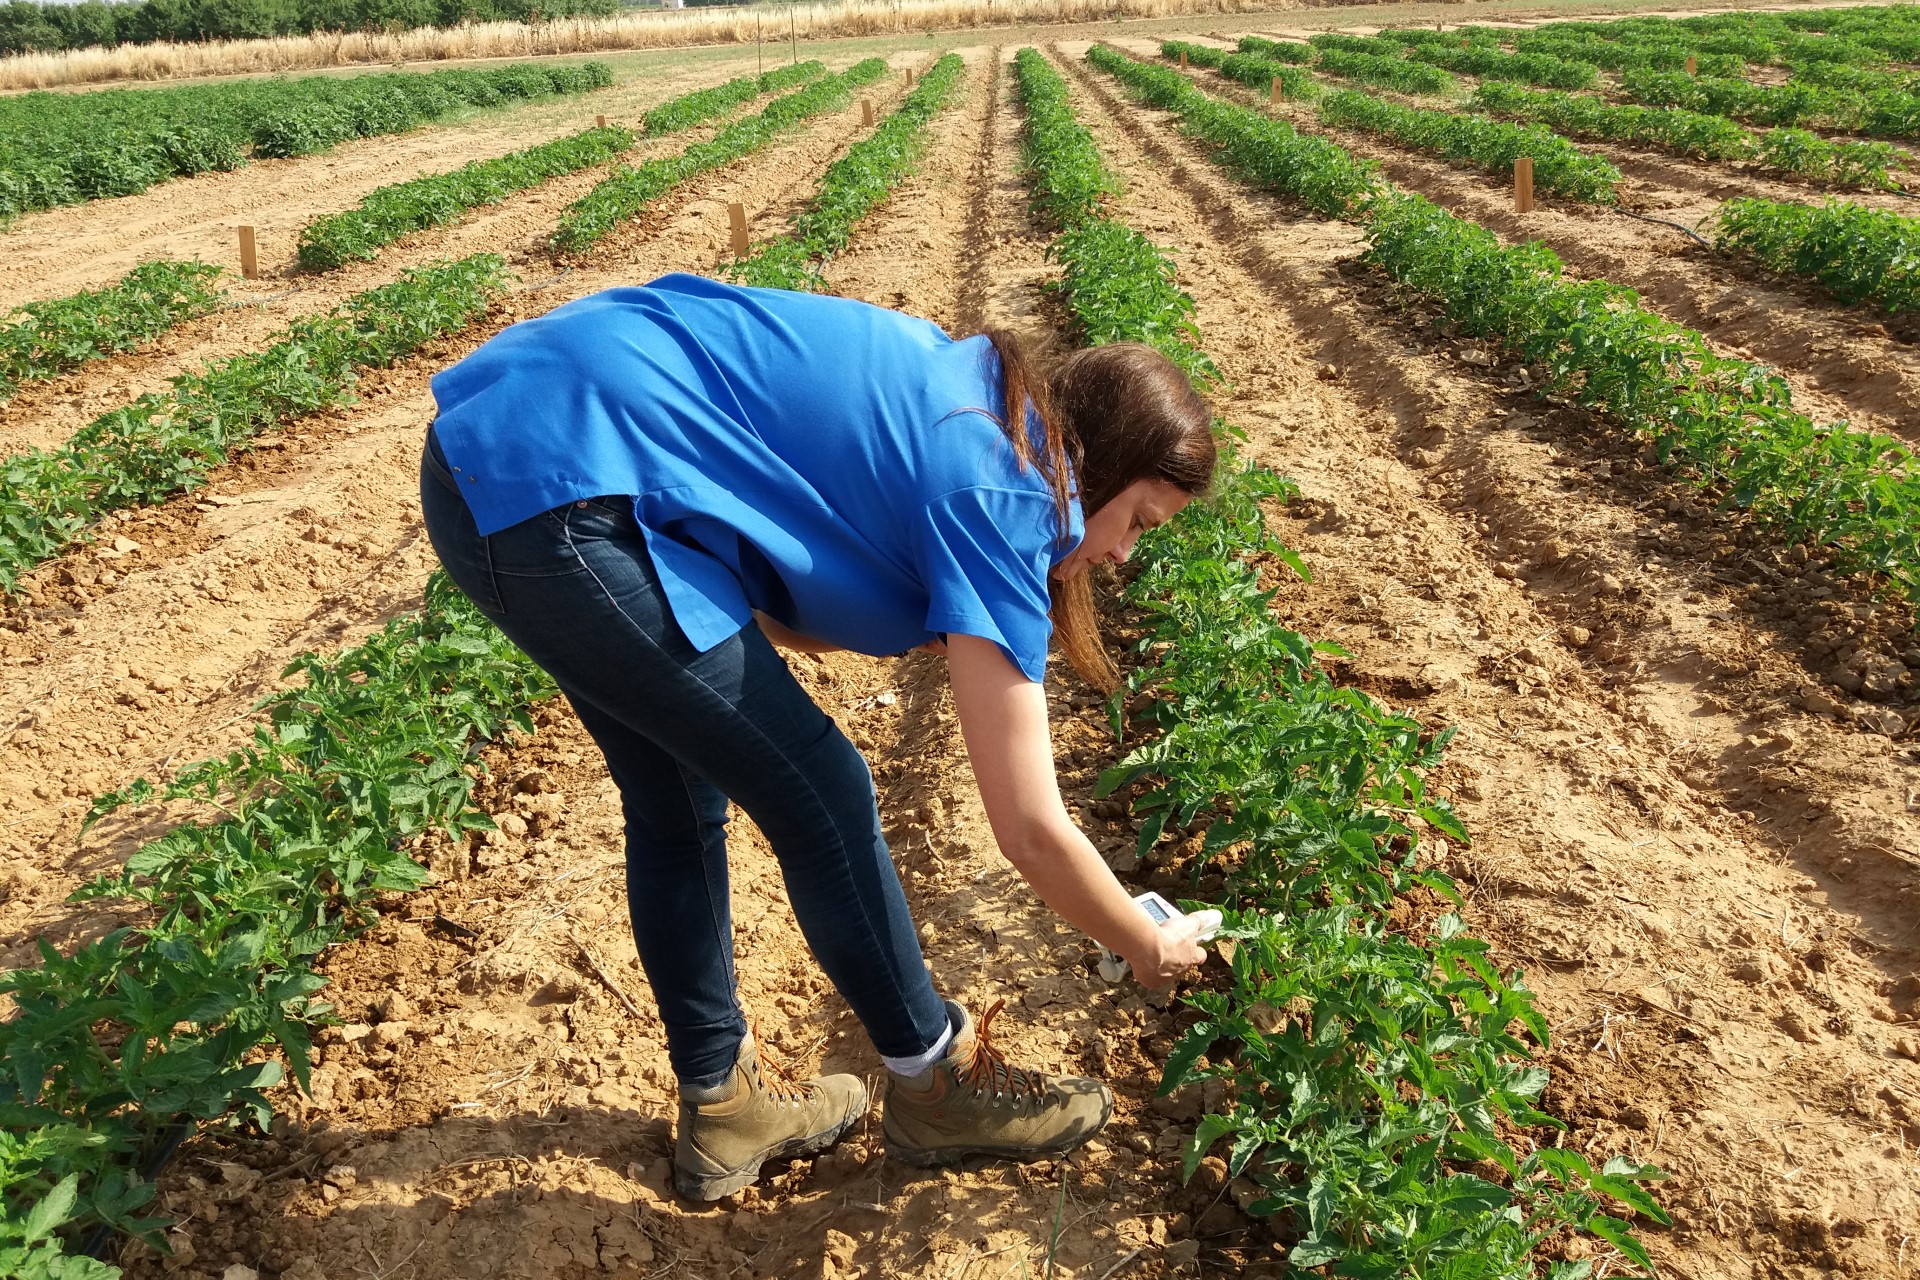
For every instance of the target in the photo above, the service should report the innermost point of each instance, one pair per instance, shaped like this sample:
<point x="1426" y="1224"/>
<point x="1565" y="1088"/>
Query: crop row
<point x="386" y="214"/>
<point x="690" y="109"/>
<point x="1691" y="133"/>
<point x="1861" y="255"/>
<point x="67" y="148"/>
<point x="164" y="442"/>
<point x="1730" y="422"/>
<point x="1891" y="30"/>
<point x="53" y="336"/>
<point x="112" y="1050"/>
<point x="1464" y="55"/>
<point x="1366" y="1068"/>
<point x="1355" y="58"/>
<point x="1614" y="56"/>
<point x="1880" y="114"/>
<point x="852" y="186"/>
<point x="1492" y="145"/>
<point x="1255" y="70"/>
<point x="631" y="189"/>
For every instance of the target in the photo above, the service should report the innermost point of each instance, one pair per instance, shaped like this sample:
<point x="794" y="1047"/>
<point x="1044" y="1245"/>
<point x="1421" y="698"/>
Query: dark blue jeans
<point x="682" y="732"/>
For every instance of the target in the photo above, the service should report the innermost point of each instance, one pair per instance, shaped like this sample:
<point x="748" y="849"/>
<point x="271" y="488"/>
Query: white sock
<point x="919" y="1063"/>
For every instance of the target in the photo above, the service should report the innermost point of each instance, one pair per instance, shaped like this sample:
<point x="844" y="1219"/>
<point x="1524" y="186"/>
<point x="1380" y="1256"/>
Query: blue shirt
<point x="833" y="464"/>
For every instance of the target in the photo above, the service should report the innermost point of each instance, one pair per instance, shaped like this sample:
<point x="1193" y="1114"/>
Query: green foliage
<point x="54" y="336"/>
<point x="388" y="213"/>
<point x="165" y="442"/>
<point x="690" y="109"/>
<point x="854" y="185"/>
<point x="66" y="148"/>
<point x="632" y="188"/>
<point x="1068" y="182"/>
<point x="1258" y="72"/>
<point x="1199" y="55"/>
<point x="1880" y="113"/>
<point x="1690" y="133"/>
<point x="1278" y="50"/>
<point x="1859" y="254"/>
<point x="1369" y="59"/>
<point x="1731" y="423"/>
<point x="1526" y="68"/>
<point x="1117" y="284"/>
<point x="1328" y="179"/>
<point x="1365" y="1068"/>
<point x="1388" y="73"/>
<point x="170" y="1022"/>
<point x="1492" y="145"/>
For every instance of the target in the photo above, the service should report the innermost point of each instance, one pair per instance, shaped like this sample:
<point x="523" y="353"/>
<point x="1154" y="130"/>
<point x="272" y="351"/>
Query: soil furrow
<point x="1656" y="852"/>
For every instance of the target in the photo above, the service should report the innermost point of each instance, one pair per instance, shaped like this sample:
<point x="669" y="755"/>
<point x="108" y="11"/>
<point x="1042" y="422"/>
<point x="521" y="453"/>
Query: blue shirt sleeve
<point x="983" y="557"/>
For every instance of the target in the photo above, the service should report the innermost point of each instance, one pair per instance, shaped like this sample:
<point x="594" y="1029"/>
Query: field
<point x="1682" y="694"/>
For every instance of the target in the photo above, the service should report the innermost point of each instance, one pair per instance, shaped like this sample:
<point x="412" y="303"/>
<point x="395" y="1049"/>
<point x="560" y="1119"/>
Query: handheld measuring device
<point x="1158" y="910"/>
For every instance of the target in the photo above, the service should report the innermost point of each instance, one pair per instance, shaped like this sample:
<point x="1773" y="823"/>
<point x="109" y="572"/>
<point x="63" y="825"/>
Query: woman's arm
<point x="787" y="638"/>
<point x="1003" y="717"/>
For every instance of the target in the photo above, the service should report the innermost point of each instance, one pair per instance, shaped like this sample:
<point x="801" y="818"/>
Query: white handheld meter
<point x="1159" y="910"/>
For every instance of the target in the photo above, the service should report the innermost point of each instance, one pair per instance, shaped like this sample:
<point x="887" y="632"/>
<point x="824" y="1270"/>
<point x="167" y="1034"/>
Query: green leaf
<point x="1209" y="1131"/>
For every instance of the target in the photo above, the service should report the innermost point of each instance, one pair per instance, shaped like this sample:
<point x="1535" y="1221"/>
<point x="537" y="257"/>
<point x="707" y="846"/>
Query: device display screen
<point x="1156" y="911"/>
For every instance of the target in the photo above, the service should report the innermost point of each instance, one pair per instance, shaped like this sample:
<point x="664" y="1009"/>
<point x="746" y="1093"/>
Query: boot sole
<point x="718" y="1186"/>
<point x="940" y="1157"/>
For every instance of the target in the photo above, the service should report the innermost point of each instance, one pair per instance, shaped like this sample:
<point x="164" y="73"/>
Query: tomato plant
<point x="168" y="441"/>
<point x="632" y="188"/>
<point x="112" y="1049"/>
<point x="53" y="336"/>
<point x="690" y="109"/>
<point x="387" y="213"/>
<point x="853" y="185"/>
<point x="1376" y="1081"/>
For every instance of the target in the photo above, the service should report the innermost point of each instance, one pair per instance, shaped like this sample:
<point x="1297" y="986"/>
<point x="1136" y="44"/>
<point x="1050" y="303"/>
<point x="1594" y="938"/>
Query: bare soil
<point x="1698" y="842"/>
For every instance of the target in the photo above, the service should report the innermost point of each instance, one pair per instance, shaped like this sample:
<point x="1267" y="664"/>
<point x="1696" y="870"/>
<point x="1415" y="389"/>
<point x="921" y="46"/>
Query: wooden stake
<point x="737" y="219"/>
<point x="758" y="70"/>
<point x="793" y="34"/>
<point x="1276" y="91"/>
<point x="1183" y="59"/>
<point x="249" y="259"/>
<point x="909" y="77"/>
<point x="1523" y="184"/>
<point x="599" y="122"/>
<point x="866" y="111"/>
<point x="1693" y="65"/>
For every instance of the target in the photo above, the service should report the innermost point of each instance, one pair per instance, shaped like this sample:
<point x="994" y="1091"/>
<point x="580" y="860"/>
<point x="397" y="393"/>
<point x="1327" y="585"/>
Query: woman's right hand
<point x="1175" y="950"/>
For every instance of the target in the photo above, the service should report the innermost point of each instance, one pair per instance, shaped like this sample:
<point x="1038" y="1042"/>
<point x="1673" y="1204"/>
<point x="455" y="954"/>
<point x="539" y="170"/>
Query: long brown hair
<point x="1109" y="416"/>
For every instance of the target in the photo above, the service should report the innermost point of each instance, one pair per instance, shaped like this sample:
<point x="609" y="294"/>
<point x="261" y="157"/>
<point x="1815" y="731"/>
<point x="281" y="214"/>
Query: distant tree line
<point x="26" y="26"/>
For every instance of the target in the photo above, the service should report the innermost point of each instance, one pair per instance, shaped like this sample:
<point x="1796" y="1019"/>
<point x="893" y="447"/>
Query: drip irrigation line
<point x="102" y="1235"/>
<point x="255" y="302"/>
<point x="1683" y="230"/>
<point x="550" y="280"/>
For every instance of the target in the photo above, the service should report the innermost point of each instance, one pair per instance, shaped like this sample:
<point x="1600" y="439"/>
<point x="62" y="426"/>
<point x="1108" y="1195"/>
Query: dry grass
<point x="650" y="30"/>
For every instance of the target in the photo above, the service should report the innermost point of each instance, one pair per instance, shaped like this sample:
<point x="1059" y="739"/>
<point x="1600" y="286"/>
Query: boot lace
<point x="786" y="1088"/>
<point x="991" y="1073"/>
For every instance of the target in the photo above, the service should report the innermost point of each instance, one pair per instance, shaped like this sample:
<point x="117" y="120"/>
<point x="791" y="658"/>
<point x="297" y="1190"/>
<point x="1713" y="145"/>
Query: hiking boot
<point x="727" y="1132"/>
<point x="973" y="1102"/>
